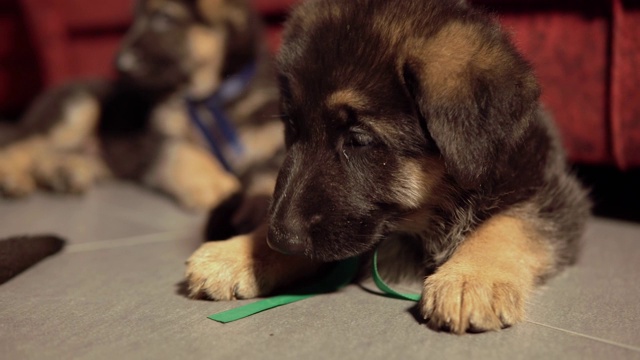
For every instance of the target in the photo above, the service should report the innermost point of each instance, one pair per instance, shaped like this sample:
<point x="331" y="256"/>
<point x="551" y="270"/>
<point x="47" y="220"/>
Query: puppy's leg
<point x="191" y="175"/>
<point x="16" y="162"/>
<point x="243" y="267"/>
<point x="66" y="118"/>
<point x="487" y="281"/>
<point x="253" y="209"/>
<point x="247" y="210"/>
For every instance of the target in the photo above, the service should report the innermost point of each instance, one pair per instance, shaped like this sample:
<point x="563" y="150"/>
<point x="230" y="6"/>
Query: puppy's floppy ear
<point x="475" y="93"/>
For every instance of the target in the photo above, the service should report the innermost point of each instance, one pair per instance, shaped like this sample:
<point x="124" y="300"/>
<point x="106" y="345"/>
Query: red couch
<point x="19" y="77"/>
<point x="584" y="52"/>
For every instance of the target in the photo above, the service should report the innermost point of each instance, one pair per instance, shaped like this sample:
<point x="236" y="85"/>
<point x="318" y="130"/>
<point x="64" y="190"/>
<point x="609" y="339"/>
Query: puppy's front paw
<point x="243" y="267"/>
<point x="69" y="173"/>
<point x="224" y="270"/>
<point x="14" y="182"/>
<point x="461" y="299"/>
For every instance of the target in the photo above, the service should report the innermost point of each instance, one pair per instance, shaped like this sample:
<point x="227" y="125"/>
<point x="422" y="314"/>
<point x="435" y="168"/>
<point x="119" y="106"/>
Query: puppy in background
<point x="181" y="60"/>
<point x="413" y="127"/>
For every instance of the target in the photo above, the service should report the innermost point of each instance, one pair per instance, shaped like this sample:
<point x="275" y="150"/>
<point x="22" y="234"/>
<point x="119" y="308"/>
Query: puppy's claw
<point x="222" y="271"/>
<point x="69" y="173"/>
<point x="236" y="293"/>
<point x="16" y="186"/>
<point x="460" y="302"/>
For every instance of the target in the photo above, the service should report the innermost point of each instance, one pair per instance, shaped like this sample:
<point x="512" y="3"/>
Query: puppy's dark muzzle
<point x="286" y="239"/>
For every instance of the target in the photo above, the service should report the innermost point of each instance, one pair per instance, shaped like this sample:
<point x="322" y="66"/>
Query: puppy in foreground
<point x="413" y="126"/>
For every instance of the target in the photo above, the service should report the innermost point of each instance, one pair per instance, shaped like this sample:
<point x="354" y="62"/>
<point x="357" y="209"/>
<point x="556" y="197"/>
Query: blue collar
<point x="220" y="134"/>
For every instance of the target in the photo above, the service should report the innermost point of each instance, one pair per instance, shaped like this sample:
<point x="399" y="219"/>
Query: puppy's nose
<point x="289" y="239"/>
<point x="127" y="61"/>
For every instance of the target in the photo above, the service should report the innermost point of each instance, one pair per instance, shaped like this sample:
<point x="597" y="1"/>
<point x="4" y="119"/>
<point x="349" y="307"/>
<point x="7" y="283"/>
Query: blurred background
<point x="585" y="54"/>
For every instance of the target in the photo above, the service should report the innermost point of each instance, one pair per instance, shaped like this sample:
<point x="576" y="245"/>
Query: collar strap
<point x="236" y="84"/>
<point x="220" y="134"/>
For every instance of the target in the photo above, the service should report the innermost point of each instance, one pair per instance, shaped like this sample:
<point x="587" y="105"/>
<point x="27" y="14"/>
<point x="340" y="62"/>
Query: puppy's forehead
<point x="331" y="48"/>
<point x="343" y="102"/>
<point x="368" y="32"/>
<point x="341" y="81"/>
<point x="348" y="97"/>
<point x="368" y="42"/>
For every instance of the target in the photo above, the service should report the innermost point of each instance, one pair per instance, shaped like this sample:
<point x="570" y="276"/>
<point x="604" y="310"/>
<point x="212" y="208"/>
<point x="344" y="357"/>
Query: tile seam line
<point x="135" y="217"/>
<point x="118" y="243"/>
<point x="609" y="342"/>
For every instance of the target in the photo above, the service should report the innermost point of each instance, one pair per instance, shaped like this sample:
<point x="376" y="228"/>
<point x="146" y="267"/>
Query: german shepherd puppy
<point x="413" y="126"/>
<point x="175" y="57"/>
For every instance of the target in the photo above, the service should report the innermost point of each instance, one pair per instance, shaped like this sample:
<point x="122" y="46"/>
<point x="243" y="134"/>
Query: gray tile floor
<point x="113" y="294"/>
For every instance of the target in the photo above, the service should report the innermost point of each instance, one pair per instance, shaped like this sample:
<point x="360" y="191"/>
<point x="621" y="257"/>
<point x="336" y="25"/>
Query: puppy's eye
<point x="358" y="138"/>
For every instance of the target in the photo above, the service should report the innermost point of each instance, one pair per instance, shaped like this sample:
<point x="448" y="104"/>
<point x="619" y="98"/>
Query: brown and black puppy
<point x="176" y="56"/>
<point x="414" y="125"/>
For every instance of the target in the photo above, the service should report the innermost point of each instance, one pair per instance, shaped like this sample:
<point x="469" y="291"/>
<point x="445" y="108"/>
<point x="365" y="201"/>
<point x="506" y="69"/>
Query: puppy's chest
<point x="429" y="234"/>
<point x="171" y="120"/>
<point x="175" y="120"/>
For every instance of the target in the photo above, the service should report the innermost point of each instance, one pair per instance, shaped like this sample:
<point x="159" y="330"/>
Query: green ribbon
<point x="389" y="292"/>
<point x="340" y="276"/>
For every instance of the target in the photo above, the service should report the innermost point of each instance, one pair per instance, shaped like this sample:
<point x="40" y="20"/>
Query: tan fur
<point x="262" y="184"/>
<point x="16" y="162"/>
<point x="205" y="45"/>
<point x="349" y="97"/>
<point x="310" y="17"/>
<point x="171" y="119"/>
<point x="253" y="102"/>
<point x="54" y="170"/>
<point x="53" y="161"/>
<point x="415" y="182"/>
<point x="68" y="172"/>
<point x="393" y="31"/>
<point x="242" y="267"/>
<point x="486" y="283"/>
<point x="216" y="11"/>
<point x="385" y="130"/>
<point x="188" y="172"/>
<point x="77" y="124"/>
<point x="264" y="140"/>
<point x="451" y="51"/>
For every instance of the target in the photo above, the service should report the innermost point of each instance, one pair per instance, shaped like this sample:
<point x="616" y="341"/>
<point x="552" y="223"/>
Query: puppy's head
<point x="190" y="44"/>
<point x="384" y="102"/>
